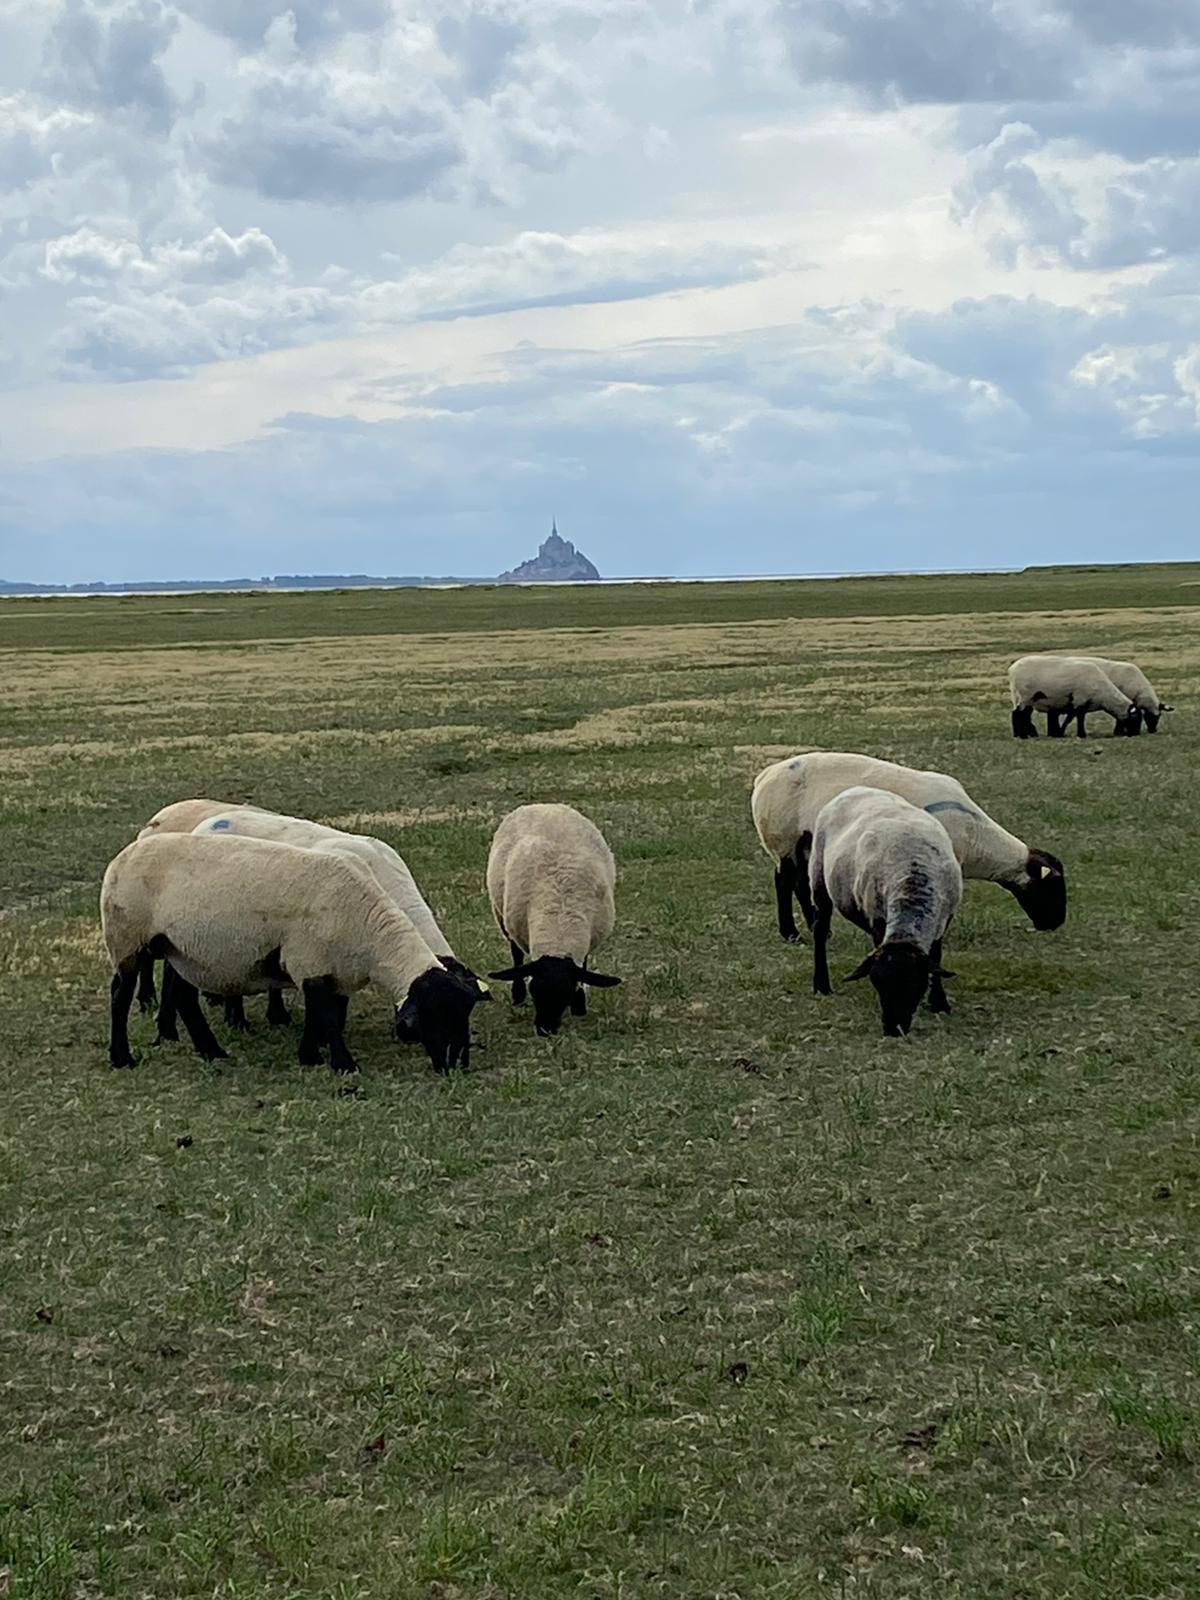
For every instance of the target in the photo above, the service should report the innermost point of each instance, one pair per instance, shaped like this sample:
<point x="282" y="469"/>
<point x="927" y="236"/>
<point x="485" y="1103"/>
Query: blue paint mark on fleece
<point x="221" y="825"/>
<point x="942" y="805"/>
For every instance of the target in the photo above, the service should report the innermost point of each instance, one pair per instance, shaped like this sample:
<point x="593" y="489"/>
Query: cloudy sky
<point x="727" y="285"/>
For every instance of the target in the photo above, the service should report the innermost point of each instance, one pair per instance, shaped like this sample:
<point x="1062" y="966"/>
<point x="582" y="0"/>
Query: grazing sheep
<point x="789" y="794"/>
<point x="236" y="916"/>
<point x="551" y="876"/>
<point x="1068" y="686"/>
<point x="385" y="865"/>
<point x="889" y="868"/>
<point x="1132" y="681"/>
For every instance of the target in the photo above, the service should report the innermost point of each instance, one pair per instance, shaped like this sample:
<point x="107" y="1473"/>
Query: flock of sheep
<point x="236" y="900"/>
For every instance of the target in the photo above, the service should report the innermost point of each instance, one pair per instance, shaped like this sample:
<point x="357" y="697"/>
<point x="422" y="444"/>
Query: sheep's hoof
<point x="126" y="1060"/>
<point x="215" y="1054"/>
<point x="167" y="1036"/>
<point x="795" y="937"/>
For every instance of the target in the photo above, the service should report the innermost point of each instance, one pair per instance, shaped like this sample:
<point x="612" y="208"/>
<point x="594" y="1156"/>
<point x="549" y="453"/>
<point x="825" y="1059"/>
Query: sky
<point x="726" y="286"/>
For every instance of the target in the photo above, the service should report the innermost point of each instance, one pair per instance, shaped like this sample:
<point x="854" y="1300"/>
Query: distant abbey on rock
<point x="557" y="561"/>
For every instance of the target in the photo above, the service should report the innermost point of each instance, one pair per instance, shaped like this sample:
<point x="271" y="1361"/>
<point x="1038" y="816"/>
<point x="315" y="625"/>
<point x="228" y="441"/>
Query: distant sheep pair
<point x="888" y="846"/>
<point x="1071" y="687"/>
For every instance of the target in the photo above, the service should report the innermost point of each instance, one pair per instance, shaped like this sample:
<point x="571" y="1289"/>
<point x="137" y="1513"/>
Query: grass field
<point x="717" y="1294"/>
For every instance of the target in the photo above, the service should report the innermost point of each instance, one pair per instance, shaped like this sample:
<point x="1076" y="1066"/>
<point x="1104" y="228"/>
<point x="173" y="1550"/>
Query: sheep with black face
<point x="237" y="916"/>
<point x="789" y="794"/>
<point x="386" y="866"/>
<point x="551" y="879"/>
<point x="1129" y="678"/>
<point x="1067" y="687"/>
<point x="890" y="869"/>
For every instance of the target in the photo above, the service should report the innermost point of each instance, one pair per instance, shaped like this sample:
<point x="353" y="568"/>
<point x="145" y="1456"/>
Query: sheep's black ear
<point x="863" y="969"/>
<point x="509" y="975"/>
<point x="1161" y="709"/>
<point x="597" y="980"/>
<point x="941" y="972"/>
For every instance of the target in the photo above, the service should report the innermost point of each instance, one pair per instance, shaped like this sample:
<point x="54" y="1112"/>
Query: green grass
<point x="716" y="1294"/>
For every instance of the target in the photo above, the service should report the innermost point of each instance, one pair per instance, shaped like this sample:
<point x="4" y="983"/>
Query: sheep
<point x="550" y="878"/>
<point x="1133" y="682"/>
<point x="789" y="794"/>
<point x="241" y="915"/>
<point x="1070" y="686"/>
<point x="889" y="868"/>
<point x="386" y="866"/>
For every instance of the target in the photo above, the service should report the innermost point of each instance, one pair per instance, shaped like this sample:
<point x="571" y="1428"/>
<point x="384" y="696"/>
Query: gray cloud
<point x="306" y="135"/>
<point x="176" y="306"/>
<point x="316" y="21"/>
<point x="164" y="334"/>
<point x="111" y="60"/>
<point x="963" y="51"/>
<point x="88" y="256"/>
<point x="34" y="137"/>
<point x="1016" y="191"/>
<point x="543" y="268"/>
<point x="932" y="50"/>
<point x="482" y="42"/>
<point x="1146" y="22"/>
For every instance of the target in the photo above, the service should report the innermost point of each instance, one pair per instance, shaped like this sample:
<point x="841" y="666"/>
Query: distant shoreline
<point x="225" y="587"/>
<point x="202" y="589"/>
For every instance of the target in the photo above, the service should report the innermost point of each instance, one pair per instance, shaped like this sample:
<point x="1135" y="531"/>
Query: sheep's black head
<point x="554" y="982"/>
<point x="1153" y="718"/>
<point x="900" y="975"/>
<point x="1129" y="725"/>
<point x="436" y="1014"/>
<point x="1042" y="893"/>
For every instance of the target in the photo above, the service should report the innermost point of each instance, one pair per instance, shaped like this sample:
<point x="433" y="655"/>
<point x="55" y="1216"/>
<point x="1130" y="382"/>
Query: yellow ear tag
<point x="483" y="987"/>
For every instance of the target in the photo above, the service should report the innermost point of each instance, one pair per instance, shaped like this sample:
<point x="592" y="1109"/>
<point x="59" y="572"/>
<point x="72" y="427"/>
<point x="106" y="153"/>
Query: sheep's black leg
<point x="278" y="1015"/>
<point x="822" y="918"/>
<point x="518" y="988"/>
<point x="308" y="1051"/>
<point x="214" y="1000"/>
<point x="785" y="881"/>
<point x="123" y="985"/>
<point x="801" y="855"/>
<point x="937" y="992"/>
<point x="168" y="1030"/>
<point x="235" y="1013"/>
<point x="146" y="995"/>
<point x="324" y="1018"/>
<point x="1080" y="724"/>
<point x="191" y="1014"/>
<point x="1054" y="725"/>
